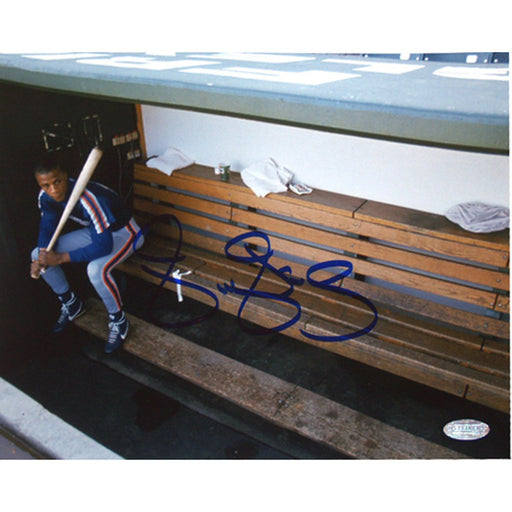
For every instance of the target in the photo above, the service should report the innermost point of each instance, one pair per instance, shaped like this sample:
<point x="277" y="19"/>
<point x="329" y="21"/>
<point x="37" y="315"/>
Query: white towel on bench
<point x="266" y="177"/>
<point x="170" y="161"/>
<point x="479" y="217"/>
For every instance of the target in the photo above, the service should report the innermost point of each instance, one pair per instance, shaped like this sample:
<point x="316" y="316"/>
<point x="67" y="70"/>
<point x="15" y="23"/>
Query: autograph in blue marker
<point x="167" y="275"/>
<point x="248" y="241"/>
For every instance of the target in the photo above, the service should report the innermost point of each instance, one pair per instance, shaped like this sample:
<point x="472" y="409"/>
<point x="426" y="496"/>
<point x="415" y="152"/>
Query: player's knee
<point x="94" y="271"/>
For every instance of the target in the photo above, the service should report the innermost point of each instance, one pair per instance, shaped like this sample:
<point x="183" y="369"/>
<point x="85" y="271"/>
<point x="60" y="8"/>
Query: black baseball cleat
<point x="69" y="311"/>
<point x="118" y="333"/>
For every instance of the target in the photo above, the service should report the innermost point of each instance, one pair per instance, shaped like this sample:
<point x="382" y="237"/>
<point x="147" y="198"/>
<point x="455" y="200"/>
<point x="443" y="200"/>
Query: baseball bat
<point x="83" y="178"/>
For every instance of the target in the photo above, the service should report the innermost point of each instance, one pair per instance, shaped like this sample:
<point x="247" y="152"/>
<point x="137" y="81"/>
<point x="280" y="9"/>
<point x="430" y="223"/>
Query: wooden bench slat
<point x="321" y="200"/>
<point x="497" y="399"/>
<point x="257" y="309"/>
<point x="176" y="199"/>
<point x="424" y="368"/>
<point x="441" y="292"/>
<point x="429" y="309"/>
<point x="503" y="304"/>
<point x="393" y="275"/>
<point x="496" y="347"/>
<point x="339" y="311"/>
<point x="408" y="303"/>
<point x="201" y="179"/>
<point x="186" y="218"/>
<point x="261" y="315"/>
<point x="426" y="242"/>
<point x="461" y="318"/>
<point x="420" y="326"/>
<point x="429" y="343"/>
<point x="407" y="336"/>
<point x="435" y="225"/>
<point x="450" y="269"/>
<point x="336" y="212"/>
<point x="401" y="277"/>
<point x="374" y="250"/>
<point x="312" y="296"/>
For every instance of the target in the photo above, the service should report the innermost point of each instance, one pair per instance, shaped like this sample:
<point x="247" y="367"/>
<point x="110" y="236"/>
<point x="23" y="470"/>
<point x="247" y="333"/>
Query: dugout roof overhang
<point x="444" y="104"/>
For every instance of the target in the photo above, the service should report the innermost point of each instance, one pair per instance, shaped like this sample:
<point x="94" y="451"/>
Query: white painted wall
<point x="424" y="178"/>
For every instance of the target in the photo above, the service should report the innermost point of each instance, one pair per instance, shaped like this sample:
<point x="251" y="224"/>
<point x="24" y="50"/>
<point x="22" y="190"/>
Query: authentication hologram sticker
<point x="466" y="430"/>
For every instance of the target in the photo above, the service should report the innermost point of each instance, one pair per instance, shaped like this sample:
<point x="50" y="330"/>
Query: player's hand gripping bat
<point x="83" y="178"/>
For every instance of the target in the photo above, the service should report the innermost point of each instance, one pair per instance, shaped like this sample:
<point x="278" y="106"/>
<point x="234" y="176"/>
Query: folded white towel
<point x="479" y="217"/>
<point x="266" y="177"/>
<point x="170" y="161"/>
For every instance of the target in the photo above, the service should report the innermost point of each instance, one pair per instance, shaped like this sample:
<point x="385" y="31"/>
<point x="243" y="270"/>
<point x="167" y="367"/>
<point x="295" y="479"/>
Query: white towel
<point x="170" y="161"/>
<point x="266" y="177"/>
<point x="479" y="217"/>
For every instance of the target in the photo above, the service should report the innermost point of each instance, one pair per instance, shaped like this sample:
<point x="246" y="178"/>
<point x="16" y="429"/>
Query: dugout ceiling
<point x="426" y="99"/>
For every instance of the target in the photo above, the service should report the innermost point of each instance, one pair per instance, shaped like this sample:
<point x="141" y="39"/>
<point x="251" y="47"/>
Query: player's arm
<point x="47" y="224"/>
<point x="101" y="245"/>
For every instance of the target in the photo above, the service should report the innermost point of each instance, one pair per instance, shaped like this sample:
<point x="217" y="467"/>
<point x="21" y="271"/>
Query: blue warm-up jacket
<point x="99" y="208"/>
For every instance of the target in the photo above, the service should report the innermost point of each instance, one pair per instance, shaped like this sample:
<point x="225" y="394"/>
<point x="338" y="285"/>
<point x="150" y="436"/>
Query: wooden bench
<point x="440" y="293"/>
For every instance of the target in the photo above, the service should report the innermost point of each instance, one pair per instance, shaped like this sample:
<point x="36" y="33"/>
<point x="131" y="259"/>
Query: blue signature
<point x="247" y="241"/>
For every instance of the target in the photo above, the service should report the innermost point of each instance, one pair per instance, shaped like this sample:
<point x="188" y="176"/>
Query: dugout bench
<point x="429" y="301"/>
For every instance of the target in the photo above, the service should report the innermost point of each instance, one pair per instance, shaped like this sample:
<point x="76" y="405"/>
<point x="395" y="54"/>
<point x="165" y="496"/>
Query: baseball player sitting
<point x="105" y="240"/>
